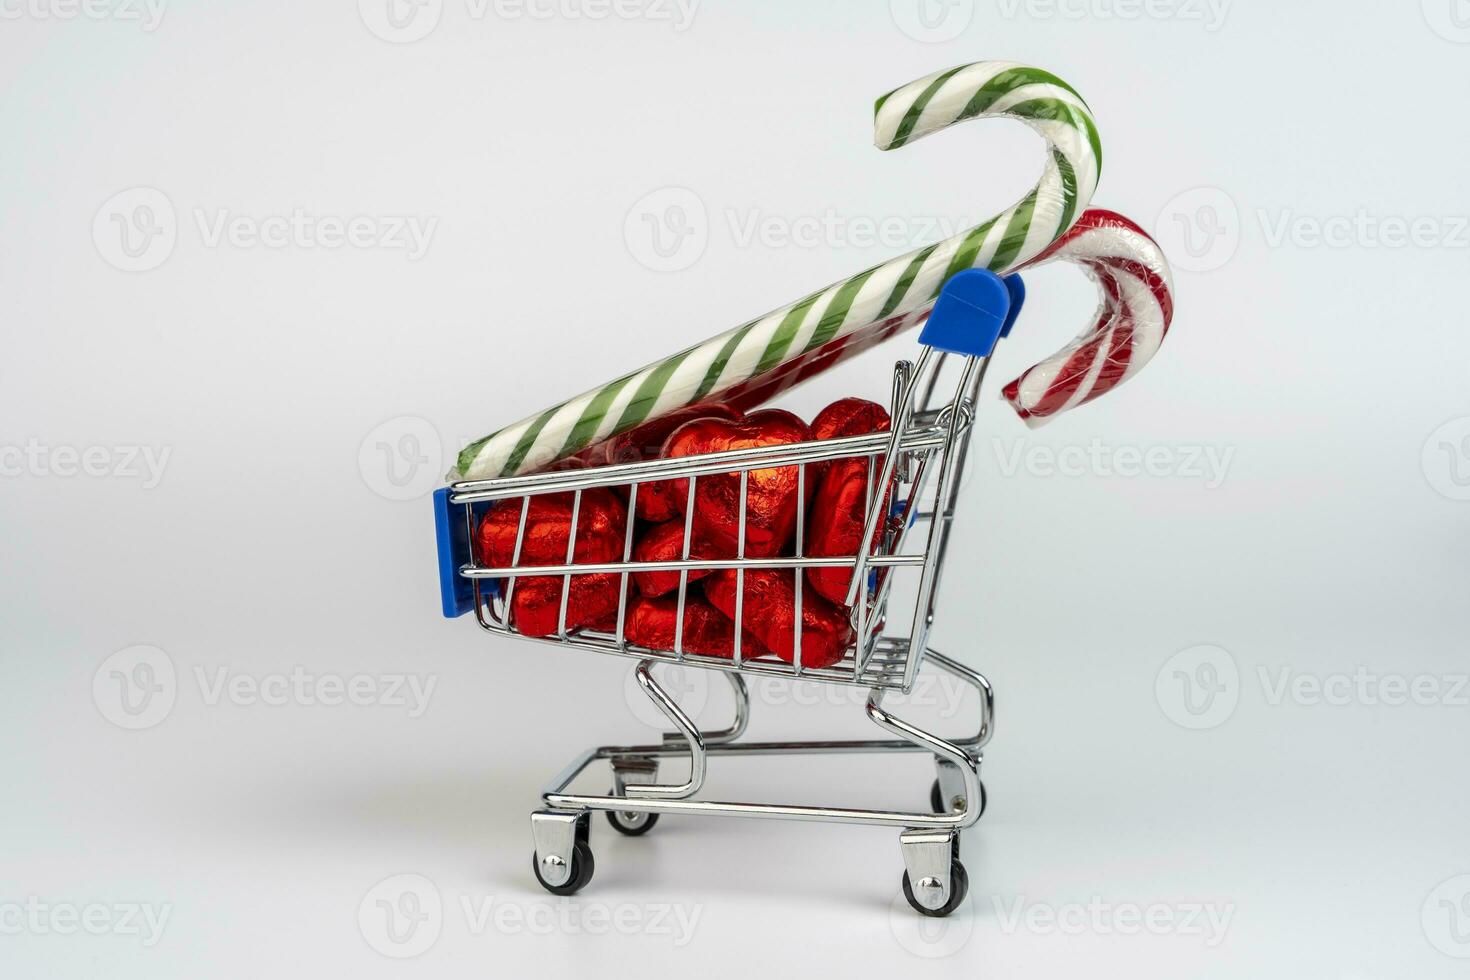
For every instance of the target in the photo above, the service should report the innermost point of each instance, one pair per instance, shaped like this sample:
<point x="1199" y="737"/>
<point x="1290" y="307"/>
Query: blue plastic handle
<point x="456" y="594"/>
<point x="971" y="314"/>
<point x="1017" y="289"/>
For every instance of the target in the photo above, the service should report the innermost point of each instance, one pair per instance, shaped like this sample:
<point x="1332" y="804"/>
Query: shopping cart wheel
<point x="959" y="887"/>
<point x="582" y="867"/>
<point x="936" y="799"/>
<point x="631" y="823"/>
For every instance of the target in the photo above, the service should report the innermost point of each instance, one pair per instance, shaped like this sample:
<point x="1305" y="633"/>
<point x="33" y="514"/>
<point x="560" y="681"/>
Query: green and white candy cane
<point x="894" y="294"/>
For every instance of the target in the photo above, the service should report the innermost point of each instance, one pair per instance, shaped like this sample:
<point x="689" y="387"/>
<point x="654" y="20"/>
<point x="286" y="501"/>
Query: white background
<point x="282" y="383"/>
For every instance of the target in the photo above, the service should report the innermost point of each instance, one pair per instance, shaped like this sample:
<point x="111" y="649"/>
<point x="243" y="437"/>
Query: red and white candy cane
<point x="1137" y="307"/>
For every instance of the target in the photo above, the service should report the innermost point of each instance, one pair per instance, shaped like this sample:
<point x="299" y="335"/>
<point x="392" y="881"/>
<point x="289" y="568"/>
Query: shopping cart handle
<point x="973" y="312"/>
<point x="456" y="593"/>
<point x="1017" y="289"/>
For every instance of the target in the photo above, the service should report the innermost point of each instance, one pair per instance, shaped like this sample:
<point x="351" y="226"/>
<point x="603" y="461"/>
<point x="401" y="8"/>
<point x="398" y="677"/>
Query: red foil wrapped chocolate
<point x="769" y="612"/>
<point x="651" y="623"/>
<point x="839" y="509"/>
<point x="665" y="542"/>
<point x="771" y="499"/>
<point x="655" y="500"/>
<point x="536" y="605"/>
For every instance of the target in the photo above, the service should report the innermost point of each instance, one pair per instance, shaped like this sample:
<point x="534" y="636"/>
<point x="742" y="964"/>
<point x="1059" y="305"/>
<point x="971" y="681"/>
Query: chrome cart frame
<point x="917" y="465"/>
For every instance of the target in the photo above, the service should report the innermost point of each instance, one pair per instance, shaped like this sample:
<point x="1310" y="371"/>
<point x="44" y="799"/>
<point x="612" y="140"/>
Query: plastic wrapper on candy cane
<point x="750" y="363"/>
<point x="1137" y="308"/>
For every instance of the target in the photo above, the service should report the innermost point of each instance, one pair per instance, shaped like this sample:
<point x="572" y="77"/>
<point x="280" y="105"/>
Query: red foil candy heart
<point x="769" y="612"/>
<point x="651" y="624"/>
<point x="655" y="501"/>
<point x="665" y="542"/>
<point x="601" y="522"/>
<point x="770" y="508"/>
<point x="536" y="604"/>
<point x="839" y="509"/>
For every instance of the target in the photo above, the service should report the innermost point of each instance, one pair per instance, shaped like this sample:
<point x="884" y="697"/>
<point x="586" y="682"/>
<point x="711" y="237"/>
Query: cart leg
<point x="949" y="789"/>
<point x="562" y="860"/>
<point x="934" y="880"/>
<point x="687" y="735"/>
<point x="636" y="771"/>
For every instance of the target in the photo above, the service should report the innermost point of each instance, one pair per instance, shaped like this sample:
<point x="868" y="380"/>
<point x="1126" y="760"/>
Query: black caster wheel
<point x="937" y="804"/>
<point x="959" y="887"/>
<point x="632" y="824"/>
<point x="582" y="867"/>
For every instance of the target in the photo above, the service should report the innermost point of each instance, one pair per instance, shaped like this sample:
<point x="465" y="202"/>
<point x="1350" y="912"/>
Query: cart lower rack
<point x="913" y="474"/>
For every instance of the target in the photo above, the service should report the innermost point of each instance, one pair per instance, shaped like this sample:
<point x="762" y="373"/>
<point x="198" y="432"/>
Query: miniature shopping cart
<point x="913" y="481"/>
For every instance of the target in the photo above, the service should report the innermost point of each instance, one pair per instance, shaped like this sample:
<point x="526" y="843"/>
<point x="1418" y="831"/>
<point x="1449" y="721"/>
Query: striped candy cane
<point x="1137" y="308"/>
<point x="847" y="315"/>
